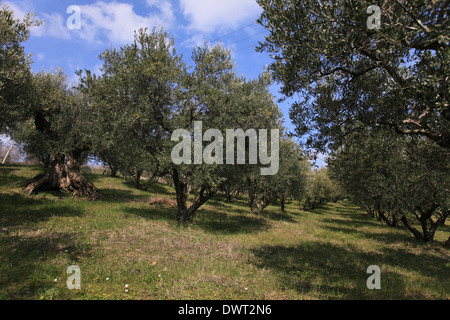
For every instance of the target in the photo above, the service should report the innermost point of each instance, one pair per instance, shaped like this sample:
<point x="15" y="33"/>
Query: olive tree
<point x="57" y="132"/>
<point x="349" y="74"/>
<point x="396" y="179"/>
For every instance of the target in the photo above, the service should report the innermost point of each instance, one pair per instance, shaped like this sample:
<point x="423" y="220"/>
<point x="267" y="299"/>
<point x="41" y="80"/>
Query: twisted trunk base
<point x="63" y="173"/>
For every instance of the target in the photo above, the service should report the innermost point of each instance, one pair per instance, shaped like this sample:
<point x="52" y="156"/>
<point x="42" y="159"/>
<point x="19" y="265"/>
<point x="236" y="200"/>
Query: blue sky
<point x="112" y="23"/>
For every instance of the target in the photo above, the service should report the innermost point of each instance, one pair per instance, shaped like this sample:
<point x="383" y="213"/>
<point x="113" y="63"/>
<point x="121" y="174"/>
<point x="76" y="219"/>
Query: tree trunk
<point x="50" y="180"/>
<point x="185" y="215"/>
<point x="425" y="218"/>
<point x="63" y="173"/>
<point x="74" y="182"/>
<point x="447" y="243"/>
<point x="138" y="179"/>
<point x="113" y="171"/>
<point x="181" y="192"/>
<point x="198" y="202"/>
<point x="228" y="195"/>
<point x="394" y="217"/>
<point x="392" y="222"/>
<point x="283" y="202"/>
<point x="305" y="205"/>
<point x="411" y="228"/>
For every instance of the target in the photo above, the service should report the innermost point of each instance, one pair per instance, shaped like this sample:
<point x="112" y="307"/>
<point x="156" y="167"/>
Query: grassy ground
<point x="227" y="254"/>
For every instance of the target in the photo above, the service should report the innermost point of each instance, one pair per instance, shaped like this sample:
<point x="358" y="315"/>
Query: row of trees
<point x="397" y="179"/>
<point x="126" y="116"/>
<point x="376" y="100"/>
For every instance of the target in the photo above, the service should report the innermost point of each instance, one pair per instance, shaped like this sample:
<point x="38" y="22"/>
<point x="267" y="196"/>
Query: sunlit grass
<point x="228" y="253"/>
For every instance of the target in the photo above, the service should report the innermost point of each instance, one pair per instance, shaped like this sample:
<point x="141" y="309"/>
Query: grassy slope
<point x="227" y="254"/>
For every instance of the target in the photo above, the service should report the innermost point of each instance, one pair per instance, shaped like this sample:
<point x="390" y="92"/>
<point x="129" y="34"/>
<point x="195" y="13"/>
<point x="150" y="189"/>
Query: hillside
<point x="128" y="248"/>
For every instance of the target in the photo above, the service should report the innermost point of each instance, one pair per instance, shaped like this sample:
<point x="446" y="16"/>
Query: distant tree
<point x="396" y="179"/>
<point x="232" y="184"/>
<point x="320" y="189"/>
<point x="291" y="179"/>
<point x="109" y="158"/>
<point x="350" y="76"/>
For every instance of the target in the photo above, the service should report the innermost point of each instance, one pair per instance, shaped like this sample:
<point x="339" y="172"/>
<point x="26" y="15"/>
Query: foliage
<point x="396" y="178"/>
<point x="14" y="66"/>
<point x="319" y="190"/>
<point x="220" y="100"/>
<point x="57" y="132"/>
<point x="58" y="118"/>
<point x="147" y="90"/>
<point x="15" y="75"/>
<point x="350" y="77"/>
<point x="289" y="182"/>
<point x="131" y="101"/>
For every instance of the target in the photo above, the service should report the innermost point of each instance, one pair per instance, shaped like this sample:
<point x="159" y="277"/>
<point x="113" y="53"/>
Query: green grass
<point x="228" y="253"/>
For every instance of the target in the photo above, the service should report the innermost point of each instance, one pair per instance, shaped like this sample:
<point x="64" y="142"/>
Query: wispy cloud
<point x="195" y="41"/>
<point x="101" y="22"/>
<point x="116" y="22"/>
<point x="54" y="26"/>
<point x="209" y="16"/>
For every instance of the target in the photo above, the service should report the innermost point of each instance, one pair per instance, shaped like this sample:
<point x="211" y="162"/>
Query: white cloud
<point x="208" y="15"/>
<point x="54" y="26"/>
<point x="116" y="22"/>
<point x="195" y="41"/>
<point x="101" y="22"/>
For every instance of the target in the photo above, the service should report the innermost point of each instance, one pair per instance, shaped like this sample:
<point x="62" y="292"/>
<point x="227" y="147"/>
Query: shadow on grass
<point x="206" y="219"/>
<point x="219" y="222"/>
<point x="445" y="228"/>
<point x="17" y="210"/>
<point x="160" y="189"/>
<point x="236" y="217"/>
<point x="279" y="216"/>
<point x="385" y="237"/>
<point x="353" y="222"/>
<point x="216" y="216"/>
<point x="26" y="269"/>
<point x="157" y="213"/>
<point x="96" y="178"/>
<point x="17" y="176"/>
<point x="341" y="207"/>
<point x="152" y="188"/>
<point x="271" y="213"/>
<point x="122" y="195"/>
<point x="13" y="181"/>
<point x="333" y="272"/>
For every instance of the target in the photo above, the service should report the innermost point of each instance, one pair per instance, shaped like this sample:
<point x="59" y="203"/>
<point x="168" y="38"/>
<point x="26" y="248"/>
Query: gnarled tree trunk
<point x="74" y="182"/>
<point x="63" y="173"/>
<point x="50" y="180"/>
